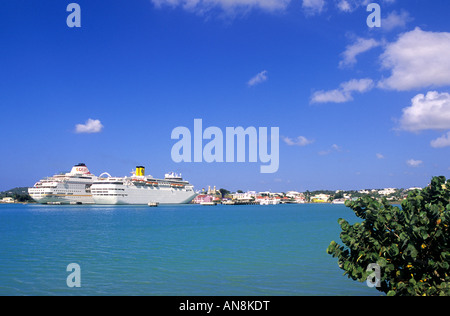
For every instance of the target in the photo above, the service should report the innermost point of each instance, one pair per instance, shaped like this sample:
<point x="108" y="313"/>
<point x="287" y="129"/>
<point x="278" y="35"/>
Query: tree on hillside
<point x="224" y="192"/>
<point x="409" y="247"/>
<point x="338" y="195"/>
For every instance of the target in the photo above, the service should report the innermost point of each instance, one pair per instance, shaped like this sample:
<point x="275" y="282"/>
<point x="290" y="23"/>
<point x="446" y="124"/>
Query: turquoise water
<point x="173" y="250"/>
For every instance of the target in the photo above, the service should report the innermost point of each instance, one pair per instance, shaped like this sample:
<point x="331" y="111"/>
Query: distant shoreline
<point x="218" y="203"/>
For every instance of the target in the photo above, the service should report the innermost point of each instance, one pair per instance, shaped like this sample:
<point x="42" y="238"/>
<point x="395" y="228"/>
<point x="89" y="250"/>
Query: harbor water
<point x="223" y="250"/>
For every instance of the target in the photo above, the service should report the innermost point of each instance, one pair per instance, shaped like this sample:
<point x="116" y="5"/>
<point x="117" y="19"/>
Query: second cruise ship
<point x="142" y="189"/>
<point x="73" y="187"/>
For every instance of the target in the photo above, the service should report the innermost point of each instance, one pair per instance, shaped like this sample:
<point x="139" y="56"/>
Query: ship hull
<point x="142" y="195"/>
<point x="64" y="199"/>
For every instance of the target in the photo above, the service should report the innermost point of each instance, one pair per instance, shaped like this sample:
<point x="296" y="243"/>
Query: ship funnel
<point x="80" y="169"/>
<point x="140" y="171"/>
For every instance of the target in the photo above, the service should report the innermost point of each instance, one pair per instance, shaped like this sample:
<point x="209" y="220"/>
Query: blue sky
<point x="357" y="107"/>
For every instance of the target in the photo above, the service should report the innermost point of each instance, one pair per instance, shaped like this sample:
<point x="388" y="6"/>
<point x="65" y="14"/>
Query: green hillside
<point x="20" y="194"/>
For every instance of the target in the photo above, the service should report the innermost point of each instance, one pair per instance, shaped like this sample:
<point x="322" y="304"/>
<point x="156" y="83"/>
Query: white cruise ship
<point x="70" y="188"/>
<point x="142" y="189"/>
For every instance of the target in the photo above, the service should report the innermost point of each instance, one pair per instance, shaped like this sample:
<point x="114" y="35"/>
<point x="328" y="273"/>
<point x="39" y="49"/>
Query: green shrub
<point x="410" y="244"/>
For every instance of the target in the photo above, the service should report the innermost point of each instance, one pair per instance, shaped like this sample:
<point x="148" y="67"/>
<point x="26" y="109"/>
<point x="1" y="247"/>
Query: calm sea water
<point x="173" y="250"/>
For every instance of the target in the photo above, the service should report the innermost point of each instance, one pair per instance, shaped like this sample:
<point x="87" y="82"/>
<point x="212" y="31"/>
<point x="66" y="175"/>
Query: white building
<point x="412" y="189"/>
<point x="213" y="191"/>
<point x="244" y="196"/>
<point x="7" y="200"/>
<point x="271" y="194"/>
<point x="387" y="191"/>
<point x="293" y="194"/>
<point x="320" y="197"/>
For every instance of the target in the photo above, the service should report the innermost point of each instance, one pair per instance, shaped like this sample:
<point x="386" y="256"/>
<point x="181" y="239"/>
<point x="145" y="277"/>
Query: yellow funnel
<point x="140" y="171"/>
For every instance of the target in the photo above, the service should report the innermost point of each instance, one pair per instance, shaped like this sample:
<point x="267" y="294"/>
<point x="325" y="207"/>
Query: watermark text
<point x="235" y="148"/>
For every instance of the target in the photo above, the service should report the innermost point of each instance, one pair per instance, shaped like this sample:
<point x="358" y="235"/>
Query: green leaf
<point x="331" y="247"/>
<point x="393" y="250"/>
<point x="411" y="251"/>
<point x="444" y="265"/>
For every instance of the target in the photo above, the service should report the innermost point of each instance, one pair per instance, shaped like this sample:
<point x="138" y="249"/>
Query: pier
<point x="240" y="203"/>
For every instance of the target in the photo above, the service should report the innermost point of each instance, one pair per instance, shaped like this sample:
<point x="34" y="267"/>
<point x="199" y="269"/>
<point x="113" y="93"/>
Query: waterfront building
<point x="320" y="198"/>
<point x="7" y="200"/>
<point x="387" y="191"/>
<point x="202" y="198"/>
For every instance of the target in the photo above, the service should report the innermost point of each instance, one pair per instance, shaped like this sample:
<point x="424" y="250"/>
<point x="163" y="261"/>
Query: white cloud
<point x="395" y="20"/>
<point x="414" y="163"/>
<point x="360" y="46"/>
<point x="418" y="59"/>
<point x="430" y="111"/>
<point x="380" y="156"/>
<point x="335" y="96"/>
<point x="352" y="5"/>
<point x="91" y="126"/>
<point x="334" y="148"/>
<point x="361" y="85"/>
<point x="344" y="92"/>
<point x="299" y="141"/>
<point x="443" y="141"/>
<point x="313" y="6"/>
<point x="259" y="78"/>
<point x="228" y="6"/>
<point x="344" y="6"/>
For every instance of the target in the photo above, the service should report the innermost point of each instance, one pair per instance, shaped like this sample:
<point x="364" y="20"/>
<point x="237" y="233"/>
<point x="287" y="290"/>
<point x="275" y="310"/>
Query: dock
<point x="243" y="202"/>
<point x="208" y="203"/>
